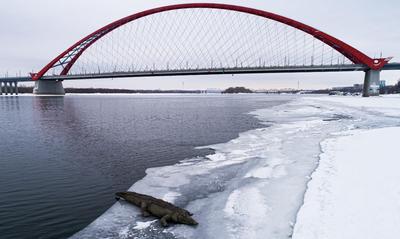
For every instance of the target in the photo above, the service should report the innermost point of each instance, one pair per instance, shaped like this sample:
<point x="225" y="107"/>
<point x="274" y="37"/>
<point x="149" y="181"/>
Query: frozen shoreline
<point x="354" y="193"/>
<point x="255" y="180"/>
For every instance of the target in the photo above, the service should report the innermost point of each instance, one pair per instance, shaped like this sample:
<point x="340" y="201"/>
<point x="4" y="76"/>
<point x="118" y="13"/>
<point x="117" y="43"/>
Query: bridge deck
<point x="258" y="70"/>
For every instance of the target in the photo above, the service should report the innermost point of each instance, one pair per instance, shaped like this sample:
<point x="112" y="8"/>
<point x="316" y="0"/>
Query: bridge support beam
<point x="11" y="87"/>
<point x="16" y="88"/>
<point x="371" y="83"/>
<point x="43" y="87"/>
<point x="6" y="88"/>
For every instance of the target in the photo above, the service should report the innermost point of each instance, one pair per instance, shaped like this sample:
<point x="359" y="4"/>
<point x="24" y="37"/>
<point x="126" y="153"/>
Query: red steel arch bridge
<point x="202" y="39"/>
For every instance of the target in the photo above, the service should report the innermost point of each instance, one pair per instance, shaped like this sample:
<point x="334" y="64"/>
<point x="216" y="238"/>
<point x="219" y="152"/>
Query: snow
<point x="143" y="225"/>
<point x="388" y="105"/>
<point x="254" y="186"/>
<point x="355" y="192"/>
<point x="247" y="203"/>
<point x="171" y="196"/>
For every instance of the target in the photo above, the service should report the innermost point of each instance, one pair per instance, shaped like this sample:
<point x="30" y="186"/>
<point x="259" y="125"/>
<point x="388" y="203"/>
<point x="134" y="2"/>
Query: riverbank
<point x="355" y="193"/>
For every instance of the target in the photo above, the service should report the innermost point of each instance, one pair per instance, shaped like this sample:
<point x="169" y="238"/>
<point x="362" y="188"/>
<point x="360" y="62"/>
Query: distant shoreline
<point x="29" y="90"/>
<point x="114" y="91"/>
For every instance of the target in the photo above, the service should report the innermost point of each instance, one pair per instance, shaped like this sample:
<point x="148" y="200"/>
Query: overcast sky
<point x="34" y="32"/>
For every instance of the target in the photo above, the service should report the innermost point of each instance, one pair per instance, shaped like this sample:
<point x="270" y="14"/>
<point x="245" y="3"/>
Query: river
<point x="63" y="158"/>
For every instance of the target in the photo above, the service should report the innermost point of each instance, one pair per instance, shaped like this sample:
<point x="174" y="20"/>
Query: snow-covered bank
<point x="386" y="104"/>
<point x="253" y="186"/>
<point x="355" y="192"/>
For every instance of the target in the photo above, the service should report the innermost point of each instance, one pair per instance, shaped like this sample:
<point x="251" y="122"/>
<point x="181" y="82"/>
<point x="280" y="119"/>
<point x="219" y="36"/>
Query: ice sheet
<point x="388" y="105"/>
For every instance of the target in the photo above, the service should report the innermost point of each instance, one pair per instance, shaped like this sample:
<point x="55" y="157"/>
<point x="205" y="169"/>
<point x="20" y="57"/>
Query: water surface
<point x="63" y="158"/>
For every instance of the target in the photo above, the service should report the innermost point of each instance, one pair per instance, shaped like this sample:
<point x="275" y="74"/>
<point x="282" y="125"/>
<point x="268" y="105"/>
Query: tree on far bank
<point x="235" y="90"/>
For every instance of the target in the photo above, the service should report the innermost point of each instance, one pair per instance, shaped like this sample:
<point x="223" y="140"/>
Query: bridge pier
<point x="16" y="88"/>
<point x="43" y="87"/>
<point x="10" y="84"/>
<point x="371" y="83"/>
<point x="5" y="88"/>
<point x="8" y="88"/>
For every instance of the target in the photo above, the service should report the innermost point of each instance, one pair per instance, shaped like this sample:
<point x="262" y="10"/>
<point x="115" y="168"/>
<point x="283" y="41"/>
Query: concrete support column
<point x="6" y="88"/>
<point x="11" y="87"/>
<point x="371" y="83"/>
<point x="16" y="87"/>
<point x="43" y="87"/>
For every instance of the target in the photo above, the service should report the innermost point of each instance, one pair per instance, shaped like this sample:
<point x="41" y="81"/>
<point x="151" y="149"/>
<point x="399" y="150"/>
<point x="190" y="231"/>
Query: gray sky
<point x="34" y="32"/>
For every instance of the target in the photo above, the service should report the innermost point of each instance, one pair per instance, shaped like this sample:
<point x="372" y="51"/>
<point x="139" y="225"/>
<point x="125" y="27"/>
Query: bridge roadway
<point x="220" y="71"/>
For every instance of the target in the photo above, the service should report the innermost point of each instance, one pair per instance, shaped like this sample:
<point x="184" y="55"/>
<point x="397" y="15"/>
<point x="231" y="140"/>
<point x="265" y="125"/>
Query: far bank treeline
<point x="391" y="89"/>
<point x="231" y="90"/>
<point x="23" y="89"/>
<point x="236" y="90"/>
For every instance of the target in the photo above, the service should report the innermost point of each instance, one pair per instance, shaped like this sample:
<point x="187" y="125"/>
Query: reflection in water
<point x="9" y="103"/>
<point x="62" y="158"/>
<point x="48" y="103"/>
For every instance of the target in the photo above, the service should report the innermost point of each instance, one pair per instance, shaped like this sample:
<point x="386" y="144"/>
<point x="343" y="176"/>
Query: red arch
<point x="348" y="51"/>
